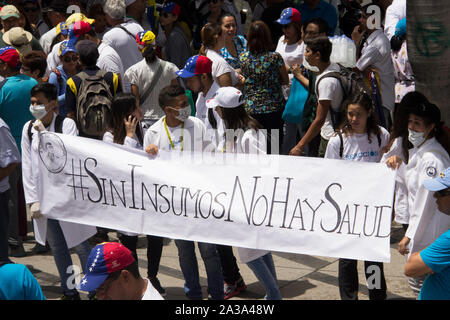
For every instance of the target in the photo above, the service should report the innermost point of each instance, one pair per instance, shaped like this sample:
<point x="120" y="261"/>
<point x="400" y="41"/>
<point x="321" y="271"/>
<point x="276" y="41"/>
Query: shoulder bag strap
<point x="155" y="79"/>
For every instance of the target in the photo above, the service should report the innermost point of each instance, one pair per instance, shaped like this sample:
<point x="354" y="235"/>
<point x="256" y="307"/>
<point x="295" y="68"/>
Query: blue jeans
<point x="264" y="270"/>
<point x="189" y="267"/>
<point x="61" y="254"/>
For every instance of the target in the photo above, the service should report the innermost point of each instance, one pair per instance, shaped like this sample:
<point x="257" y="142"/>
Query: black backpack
<point x="93" y="104"/>
<point x="351" y="82"/>
<point x="58" y="126"/>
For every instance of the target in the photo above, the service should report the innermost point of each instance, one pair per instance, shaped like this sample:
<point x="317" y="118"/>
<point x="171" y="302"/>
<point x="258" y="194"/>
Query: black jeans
<point x="348" y="279"/>
<point x="4" y="222"/>
<point x="154" y="251"/>
<point x="273" y="123"/>
<point x="230" y="269"/>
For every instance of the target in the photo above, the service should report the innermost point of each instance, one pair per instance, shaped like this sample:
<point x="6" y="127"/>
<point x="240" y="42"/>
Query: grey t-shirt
<point x="9" y="153"/>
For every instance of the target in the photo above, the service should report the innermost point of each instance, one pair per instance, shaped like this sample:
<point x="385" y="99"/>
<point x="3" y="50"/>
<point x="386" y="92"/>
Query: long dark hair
<point x="238" y="118"/>
<point x="208" y="34"/>
<point x="364" y="100"/>
<point x="123" y="105"/>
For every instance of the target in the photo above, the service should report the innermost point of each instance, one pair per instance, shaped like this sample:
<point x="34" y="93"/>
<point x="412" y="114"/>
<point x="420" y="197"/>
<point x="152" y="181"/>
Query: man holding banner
<point x="173" y="133"/>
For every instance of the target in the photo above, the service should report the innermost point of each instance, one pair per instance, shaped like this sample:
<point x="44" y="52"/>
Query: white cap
<point x="226" y="97"/>
<point x="129" y="2"/>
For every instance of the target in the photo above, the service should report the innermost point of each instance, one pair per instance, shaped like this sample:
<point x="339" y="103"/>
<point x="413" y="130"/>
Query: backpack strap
<point x="341" y="147"/>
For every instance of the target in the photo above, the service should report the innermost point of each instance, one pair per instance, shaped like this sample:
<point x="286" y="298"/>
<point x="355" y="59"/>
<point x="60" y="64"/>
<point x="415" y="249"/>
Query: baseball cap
<point x="78" y="29"/>
<point x="65" y="47"/>
<point x="195" y="65"/>
<point x="78" y="17"/>
<point x="87" y="48"/>
<point x="425" y="110"/>
<point x="10" y="56"/>
<point x="440" y="183"/>
<point x="226" y="97"/>
<point x="144" y="39"/>
<point x="9" y="11"/>
<point x="170" y="7"/>
<point x="104" y="259"/>
<point x="289" y="15"/>
<point x="400" y="28"/>
<point x="19" y="39"/>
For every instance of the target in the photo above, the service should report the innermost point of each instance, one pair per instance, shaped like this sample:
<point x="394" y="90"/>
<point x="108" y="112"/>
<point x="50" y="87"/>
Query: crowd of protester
<point x="133" y="72"/>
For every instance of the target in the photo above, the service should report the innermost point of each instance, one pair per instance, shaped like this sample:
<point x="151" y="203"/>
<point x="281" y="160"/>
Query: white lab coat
<point x="401" y="191"/>
<point x="74" y="233"/>
<point x="426" y="223"/>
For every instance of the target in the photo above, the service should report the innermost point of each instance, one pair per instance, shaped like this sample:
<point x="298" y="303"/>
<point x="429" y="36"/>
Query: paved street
<point x="300" y="277"/>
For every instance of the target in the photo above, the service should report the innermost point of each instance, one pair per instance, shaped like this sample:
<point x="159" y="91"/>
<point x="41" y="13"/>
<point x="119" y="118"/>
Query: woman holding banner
<point x="126" y="130"/>
<point x="360" y="138"/>
<point x="246" y="137"/>
<point x="428" y="157"/>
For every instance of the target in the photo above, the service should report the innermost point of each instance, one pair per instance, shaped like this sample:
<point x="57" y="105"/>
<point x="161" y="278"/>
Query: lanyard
<point x="168" y="135"/>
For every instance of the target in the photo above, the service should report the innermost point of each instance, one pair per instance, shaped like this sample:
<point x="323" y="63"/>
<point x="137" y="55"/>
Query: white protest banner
<point x="301" y="205"/>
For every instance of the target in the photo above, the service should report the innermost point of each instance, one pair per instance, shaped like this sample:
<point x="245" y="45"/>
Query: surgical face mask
<point x="38" y="111"/>
<point x="310" y="67"/>
<point x="416" y="138"/>
<point x="184" y="113"/>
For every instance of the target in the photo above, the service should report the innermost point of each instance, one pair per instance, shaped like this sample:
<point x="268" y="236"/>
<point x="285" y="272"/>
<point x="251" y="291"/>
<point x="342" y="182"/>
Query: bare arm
<point x="225" y="80"/>
<point x="415" y="267"/>
<point x="5" y="172"/>
<point x="322" y="110"/>
<point x="284" y="77"/>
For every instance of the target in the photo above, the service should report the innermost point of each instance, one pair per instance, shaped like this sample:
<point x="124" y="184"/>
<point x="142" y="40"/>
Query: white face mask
<point x="416" y="138"/>
<point x="310" y="67"/>
<point x="38" y="111"/>
<point x="184" y="113"/>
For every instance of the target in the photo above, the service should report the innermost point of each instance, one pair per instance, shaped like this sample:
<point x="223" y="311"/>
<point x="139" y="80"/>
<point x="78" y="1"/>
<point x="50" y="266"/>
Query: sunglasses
<point x="68" y="59"/>
<point x="443" y="193"/>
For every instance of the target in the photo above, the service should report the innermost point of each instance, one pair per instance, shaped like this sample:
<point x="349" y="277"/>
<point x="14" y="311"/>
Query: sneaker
<point x="157" y="285"/>
<point x="71" y="297"/>
<point x="230" y="290"/>
<point x="40" y="249"/>
<point x="17" y="251"/>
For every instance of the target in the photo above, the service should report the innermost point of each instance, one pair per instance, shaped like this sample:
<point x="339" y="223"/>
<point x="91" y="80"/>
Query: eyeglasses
<point x="68" y="59"/>
<point x="442" y="193"/>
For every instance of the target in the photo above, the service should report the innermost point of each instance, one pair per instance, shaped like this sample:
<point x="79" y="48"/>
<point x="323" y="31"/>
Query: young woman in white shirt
<point x="360" y="139"/>
<point x="247" y="138"/>
<point x="428" y="157"/>
<point x="126" y="129"/>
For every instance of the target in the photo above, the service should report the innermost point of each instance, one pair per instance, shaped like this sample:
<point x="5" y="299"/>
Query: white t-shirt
<point x="357" y="147"/>
<point x="329" y="89"/>
<point x="394" y="13"/>
<point x="376" y="53"/>
<point x="124" y="43"/>
<point x="193" y="133"/>
<point x="53" y="59"/>
<point x="46" y="39"/>
<point x="220" y="66"/>
<point x="151" y="293"/>
<point x="141" y="74"/>
<point x="109" y="60"/>
<point x="292" y="53"/>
